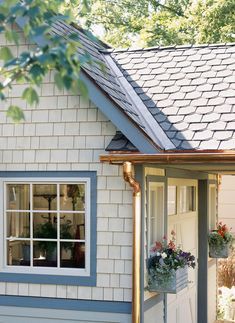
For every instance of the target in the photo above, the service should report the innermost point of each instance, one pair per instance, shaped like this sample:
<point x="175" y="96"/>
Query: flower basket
<point x="220" y="241"/>
<point x="168" y="267"/>
<point x="171" y="283"/>
<point x="222" y="252"/>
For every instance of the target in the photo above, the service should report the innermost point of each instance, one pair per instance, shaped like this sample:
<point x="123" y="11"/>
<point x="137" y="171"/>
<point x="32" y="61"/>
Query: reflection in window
<point x="156" y="212"/>
<point x="51" y="232"/>
<point x="212" y="207"/>
<point x="171" y="202"/>
<point x="187" y="199"/>
<point x="17" y="197"/>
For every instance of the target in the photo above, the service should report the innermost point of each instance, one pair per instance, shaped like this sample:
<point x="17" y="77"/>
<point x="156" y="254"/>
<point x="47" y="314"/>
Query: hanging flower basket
<point x="219" y="252"/>
<point x="172" y="282"/>
<point x="220" y="241"/>
<point x="168" y="267"/>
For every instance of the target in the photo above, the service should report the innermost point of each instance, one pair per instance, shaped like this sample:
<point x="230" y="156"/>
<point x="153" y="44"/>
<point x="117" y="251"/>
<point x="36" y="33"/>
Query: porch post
<point x="203" y="214"/>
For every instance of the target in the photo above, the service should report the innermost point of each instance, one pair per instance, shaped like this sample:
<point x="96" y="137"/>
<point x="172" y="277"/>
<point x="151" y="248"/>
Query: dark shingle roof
<point x="189" y="90"/>
<point x="102" y="74"/>
<point x="182" y="97"/>
<point x="120" y="143"/>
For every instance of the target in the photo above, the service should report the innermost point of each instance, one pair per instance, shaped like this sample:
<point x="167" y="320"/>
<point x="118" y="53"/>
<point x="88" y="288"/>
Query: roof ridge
<point x="170" y="47"/>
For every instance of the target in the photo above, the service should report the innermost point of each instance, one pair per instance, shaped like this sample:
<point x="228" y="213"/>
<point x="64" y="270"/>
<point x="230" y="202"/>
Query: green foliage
<point x="52" y="52"/>
<point x="220" y="239"/>
<point x="46" y="230"/>
<point x="15" y="113"/>
<point x="5" y="54"/>
<point x="217" y="241"/>
<point x="152" y="22"/>
<point x="30" y="95"/>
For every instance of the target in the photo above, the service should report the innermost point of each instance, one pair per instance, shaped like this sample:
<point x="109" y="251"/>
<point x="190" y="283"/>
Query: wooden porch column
<point x="203" y="219"/>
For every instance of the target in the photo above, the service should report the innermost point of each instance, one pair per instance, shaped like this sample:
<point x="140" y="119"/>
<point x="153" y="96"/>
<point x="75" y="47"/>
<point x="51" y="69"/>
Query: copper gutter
<point x="227" y="157"/>
<point x="136" y="245"/>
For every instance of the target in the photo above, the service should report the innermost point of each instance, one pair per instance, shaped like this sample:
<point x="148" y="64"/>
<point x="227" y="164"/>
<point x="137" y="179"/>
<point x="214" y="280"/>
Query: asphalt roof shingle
<point x="182" y="97"/>
<point x="195" y="83"/>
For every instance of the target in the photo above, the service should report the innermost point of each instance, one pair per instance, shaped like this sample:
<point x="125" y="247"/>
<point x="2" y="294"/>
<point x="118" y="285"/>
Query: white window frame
<point x="3" y="229"/>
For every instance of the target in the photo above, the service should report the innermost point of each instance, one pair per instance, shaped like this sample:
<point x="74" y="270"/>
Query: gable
<point x="104" y="89"/>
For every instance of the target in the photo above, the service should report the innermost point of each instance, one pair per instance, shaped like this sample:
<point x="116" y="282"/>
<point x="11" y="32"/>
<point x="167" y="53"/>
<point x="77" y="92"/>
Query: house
<point x="75" y="232"/>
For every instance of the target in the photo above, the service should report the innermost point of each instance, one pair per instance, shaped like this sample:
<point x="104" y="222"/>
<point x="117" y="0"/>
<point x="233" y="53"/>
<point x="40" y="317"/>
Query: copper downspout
<point x="128" y="176"/>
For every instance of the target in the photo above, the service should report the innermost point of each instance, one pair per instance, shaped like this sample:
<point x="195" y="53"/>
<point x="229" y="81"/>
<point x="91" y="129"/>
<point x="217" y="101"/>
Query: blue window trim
<point x="61" y="279"/>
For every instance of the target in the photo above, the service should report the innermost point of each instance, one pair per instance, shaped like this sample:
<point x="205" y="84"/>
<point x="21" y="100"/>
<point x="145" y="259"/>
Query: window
<point x="156" y="212"/>
<point x="187" y="199"/>
<point x="171" y="201"/>
<point x="47" y="226"/>
<point x="212" y="207"/>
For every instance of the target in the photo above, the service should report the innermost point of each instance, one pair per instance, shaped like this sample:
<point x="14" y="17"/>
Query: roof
<point x="189" y="90"/>
<point x="181" y="98"/>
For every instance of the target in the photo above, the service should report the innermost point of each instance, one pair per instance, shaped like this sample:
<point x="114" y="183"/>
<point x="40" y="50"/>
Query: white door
<point x="183" y="219"/>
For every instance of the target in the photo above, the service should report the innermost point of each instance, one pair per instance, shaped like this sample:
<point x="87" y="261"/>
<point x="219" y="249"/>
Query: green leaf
<point x="12" y="36"/>
<point x="30" y="95"/>
<point x="5" y="54"/>
<point x="82" y="88"/>
<point x="59" y="81"/>
<point x="15" y="113"/>
<point x="36" y="72"/>
<point x="41" y="30"/>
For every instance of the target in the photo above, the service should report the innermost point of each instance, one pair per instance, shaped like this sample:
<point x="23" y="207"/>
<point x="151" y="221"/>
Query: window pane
<point x="72" y="226"/>
<point x="171" y="203"/>
<point x="18" y="253"/>
<point x="45" y="253"/>
<point x="212" y="208"/>
<point x="72" y="255"/>
<point x="156" y="213"/>
<point x="187" y="199"/>
<point x="18" y="224"/>
<point x="72" y="197"/>
<point x="18" y="197"/>
<point x="43" y="228"/>
<point x="44" y="197"/>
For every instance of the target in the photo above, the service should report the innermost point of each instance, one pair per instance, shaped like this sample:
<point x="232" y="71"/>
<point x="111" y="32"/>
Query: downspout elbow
<point x="128" y="177"/>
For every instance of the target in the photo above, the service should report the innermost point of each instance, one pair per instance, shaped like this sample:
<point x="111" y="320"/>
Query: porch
<point x="204" y="168"/>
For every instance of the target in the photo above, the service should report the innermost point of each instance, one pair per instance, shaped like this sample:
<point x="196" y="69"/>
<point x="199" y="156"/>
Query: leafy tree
<point x="156" y="22"/>
<point x="51" y="51"/>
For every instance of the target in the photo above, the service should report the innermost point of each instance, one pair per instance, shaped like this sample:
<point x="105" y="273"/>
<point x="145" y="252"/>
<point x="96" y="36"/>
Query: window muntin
<point x="46" y="226"/>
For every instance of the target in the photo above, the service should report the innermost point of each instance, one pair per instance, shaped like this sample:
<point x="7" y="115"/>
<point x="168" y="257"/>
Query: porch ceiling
<point x="219" y="162"/>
